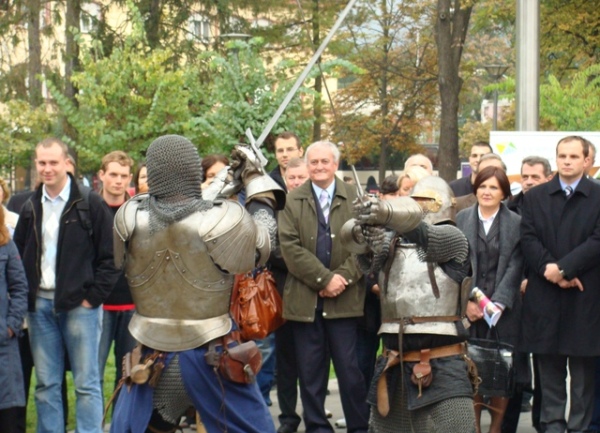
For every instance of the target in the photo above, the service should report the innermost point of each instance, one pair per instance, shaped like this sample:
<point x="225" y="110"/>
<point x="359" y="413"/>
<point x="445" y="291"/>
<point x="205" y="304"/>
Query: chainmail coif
<point x="174" y="181"/>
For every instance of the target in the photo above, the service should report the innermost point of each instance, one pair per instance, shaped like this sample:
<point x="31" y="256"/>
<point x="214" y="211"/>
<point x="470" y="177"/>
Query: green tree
<point x="136" y="94"/>
<point x="21" y="128"/>
<point x="245" y="94"/>
<point x="384" y="106"/>
<point x="573" y="106"/>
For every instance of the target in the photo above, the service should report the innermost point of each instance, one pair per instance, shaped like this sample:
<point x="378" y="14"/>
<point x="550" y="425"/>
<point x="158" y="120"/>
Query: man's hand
<point x="335" y="287"/>
<point x="86" y="304"/>
<point x="474" y="312"/>
<point x="523" y="287"/>
<point x="552" y="273"/>
<point x="11" y="334"/>
<point x="569" y="284"/>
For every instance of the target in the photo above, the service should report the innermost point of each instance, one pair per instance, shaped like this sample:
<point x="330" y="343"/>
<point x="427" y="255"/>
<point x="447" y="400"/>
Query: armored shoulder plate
<point x="265" y="184"/>
<point x="123" y="227"/>
<point x="125" y="218"/>
<point x="230" y="236"/>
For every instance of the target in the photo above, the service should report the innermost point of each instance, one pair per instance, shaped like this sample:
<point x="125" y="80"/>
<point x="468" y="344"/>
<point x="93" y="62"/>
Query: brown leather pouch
<point x="240" y="363"/>
<point x="421" y="374"/>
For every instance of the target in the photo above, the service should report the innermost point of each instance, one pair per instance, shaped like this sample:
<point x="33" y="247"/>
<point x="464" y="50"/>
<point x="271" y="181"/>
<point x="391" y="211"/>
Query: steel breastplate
<point x="410" y="294"/>
<point x="181" y="296"/>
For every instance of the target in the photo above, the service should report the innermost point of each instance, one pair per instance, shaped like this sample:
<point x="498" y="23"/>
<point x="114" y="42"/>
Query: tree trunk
<point x="317" y="103"/>
<point x="72" y="16"/>
<point x="450" y="32"/>
<point x="35" y="53"/>
<point x="152" y="24"/>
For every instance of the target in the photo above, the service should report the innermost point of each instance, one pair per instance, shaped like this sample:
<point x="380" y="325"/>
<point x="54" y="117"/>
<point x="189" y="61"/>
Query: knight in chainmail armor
<point x="423" y="380"/>
<point x="181" y="252"/>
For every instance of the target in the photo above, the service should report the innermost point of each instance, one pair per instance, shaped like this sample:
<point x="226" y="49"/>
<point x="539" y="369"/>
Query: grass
<point x="109" y="380"/>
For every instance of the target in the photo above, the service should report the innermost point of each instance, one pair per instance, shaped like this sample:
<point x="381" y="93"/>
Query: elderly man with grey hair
<point x="323" y="292"/>
<point x="419" y="160"/>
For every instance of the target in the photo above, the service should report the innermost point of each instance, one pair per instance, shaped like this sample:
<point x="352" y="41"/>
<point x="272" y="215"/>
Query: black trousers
<point x="313" y="342"/>
<point x="553" y="376"/>
<point x="287" y="376"/>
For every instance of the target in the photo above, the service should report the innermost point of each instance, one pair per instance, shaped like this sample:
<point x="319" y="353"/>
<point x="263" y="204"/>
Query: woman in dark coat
<point x="13" y="305"/>
<point x="496" y="262"/>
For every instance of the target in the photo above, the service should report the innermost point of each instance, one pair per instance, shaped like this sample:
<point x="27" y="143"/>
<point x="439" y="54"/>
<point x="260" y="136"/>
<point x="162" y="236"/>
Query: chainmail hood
<point x="174" y="181"/>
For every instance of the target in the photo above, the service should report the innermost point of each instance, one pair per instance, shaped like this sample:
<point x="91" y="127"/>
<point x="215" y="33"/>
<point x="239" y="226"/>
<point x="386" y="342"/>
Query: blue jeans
<point x="78" y="331"/>
<point x="115" y="327"/>
<point x="266" y="375"/>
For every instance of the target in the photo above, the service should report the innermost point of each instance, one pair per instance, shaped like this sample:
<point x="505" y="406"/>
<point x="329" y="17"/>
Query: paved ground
<point x="333" y="404"/>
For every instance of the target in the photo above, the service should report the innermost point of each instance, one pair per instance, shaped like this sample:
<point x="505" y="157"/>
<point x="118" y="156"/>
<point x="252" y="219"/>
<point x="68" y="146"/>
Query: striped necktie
<point x="324" y="202"/>
<point x="568" y="191"/>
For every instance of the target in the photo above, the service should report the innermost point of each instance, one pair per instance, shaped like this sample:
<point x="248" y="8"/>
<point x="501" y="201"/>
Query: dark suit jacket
<point x="567" y="232"/>
<point x="276" y="176"/>
<point x="462" y="186"/>
<point x="510" y="265"/>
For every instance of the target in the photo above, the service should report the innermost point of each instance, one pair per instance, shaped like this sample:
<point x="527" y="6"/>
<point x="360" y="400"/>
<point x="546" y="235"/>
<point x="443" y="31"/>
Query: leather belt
<point x="422" y="319"/>
<point x="436" y="352"/>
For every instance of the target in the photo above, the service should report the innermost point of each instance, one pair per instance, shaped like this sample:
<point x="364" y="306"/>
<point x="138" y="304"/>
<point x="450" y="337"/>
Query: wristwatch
<point x="562" y="272"/>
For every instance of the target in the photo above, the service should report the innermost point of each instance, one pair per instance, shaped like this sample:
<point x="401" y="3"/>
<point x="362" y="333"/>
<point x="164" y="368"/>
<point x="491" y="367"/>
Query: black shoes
<point x="286" y="428"/>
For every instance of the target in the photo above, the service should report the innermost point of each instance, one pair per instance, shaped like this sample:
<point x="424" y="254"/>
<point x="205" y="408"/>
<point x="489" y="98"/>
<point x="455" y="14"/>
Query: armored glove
<point x="372" y="210"/>
<point x="245" y="165"/>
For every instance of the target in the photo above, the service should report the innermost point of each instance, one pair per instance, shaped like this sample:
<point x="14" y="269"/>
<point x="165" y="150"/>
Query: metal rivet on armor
<point x="151" y="267"/>
<point x="350" y="281"/>
<point x="183" y="271"/>
<point x="168" y="258"/>
<point x="158" y="254"/>
<point x="324" y="314"/>
<point x="319" y="280"/>
<point x="214" y="241"/>
<point x="332" y="236"/>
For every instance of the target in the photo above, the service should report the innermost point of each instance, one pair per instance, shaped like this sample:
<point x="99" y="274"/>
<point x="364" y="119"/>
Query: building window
<point x="200" y="27"/>
<point x="90" y="15"/>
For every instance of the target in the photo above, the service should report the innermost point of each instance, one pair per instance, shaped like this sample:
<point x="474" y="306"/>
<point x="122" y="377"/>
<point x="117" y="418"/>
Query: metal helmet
<point x="436" y="199"/>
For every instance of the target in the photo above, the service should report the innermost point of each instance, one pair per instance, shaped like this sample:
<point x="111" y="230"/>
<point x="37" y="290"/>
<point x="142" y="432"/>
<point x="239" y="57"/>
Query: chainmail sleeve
<point x="440" y="244"/>
<point x="264" y="217"/>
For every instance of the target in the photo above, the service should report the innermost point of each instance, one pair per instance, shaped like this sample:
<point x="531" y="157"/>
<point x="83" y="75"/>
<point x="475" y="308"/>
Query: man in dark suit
<point x="464" y="185"/>
<point x="560" y="232"/>
<point x="286" y="146"/>
<point x="323" y="292"/>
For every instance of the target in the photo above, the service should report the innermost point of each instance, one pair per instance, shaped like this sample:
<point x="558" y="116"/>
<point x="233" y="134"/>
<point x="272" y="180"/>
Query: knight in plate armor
<point x="423" y="380"/>
<point x="180" y="253"/>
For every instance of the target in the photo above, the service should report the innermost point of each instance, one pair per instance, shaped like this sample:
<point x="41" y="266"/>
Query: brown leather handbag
<point x="256" y="305"/>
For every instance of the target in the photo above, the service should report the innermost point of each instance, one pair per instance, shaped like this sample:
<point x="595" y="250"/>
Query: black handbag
<point x="495" y="366"/>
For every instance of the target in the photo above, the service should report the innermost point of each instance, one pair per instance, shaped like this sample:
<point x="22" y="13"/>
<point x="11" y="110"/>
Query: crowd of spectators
<point x="535" y="255"/>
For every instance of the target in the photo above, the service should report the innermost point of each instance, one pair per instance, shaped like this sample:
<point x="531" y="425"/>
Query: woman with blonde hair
<point x="13" y="306"/>
<point x="10" y="218"/>
<point x="409" y="178"/>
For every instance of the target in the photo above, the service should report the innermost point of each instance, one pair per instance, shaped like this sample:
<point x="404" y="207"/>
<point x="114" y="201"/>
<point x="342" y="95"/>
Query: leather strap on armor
<point x="395" y="358"/>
